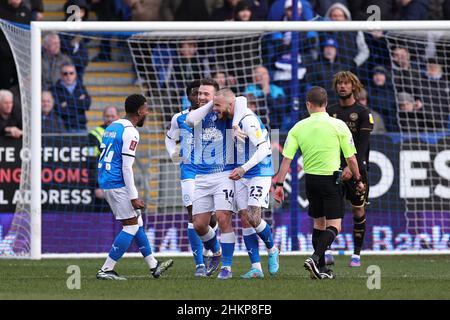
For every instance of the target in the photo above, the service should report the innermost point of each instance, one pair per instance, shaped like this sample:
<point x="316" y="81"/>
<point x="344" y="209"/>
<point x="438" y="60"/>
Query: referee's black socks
<point x="359" y="229"/>
<point x="315" y="240"/>
<point x="325" y="240"/>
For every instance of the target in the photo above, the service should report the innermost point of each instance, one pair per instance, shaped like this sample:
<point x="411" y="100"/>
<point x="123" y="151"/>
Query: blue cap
<point x="330" y="42"/>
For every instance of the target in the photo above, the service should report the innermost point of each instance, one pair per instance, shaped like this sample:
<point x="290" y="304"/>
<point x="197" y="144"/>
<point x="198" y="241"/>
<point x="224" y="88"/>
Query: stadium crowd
<point x="407" y="90"/>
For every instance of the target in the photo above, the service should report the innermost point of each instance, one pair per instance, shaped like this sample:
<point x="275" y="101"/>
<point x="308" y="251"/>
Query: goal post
<point x="36" y="144"/>
<point x="39" y="29"/>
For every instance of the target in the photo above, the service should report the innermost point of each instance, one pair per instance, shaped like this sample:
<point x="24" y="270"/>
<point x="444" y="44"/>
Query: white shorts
<point x="187" y="191"/>
<point x="252" y="192"/>
<point x="119" y="201"/>
<point x="213" y="192"/>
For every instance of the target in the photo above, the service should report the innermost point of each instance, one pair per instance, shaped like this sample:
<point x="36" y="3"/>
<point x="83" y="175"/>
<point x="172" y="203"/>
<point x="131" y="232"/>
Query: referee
<point x="320" y="139"/>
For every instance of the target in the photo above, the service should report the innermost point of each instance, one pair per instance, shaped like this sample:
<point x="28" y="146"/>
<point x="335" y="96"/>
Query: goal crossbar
<point x="137" y="26"/>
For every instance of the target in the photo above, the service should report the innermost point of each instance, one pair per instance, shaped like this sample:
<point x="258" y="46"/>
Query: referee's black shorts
<point x="351" y="194"/>
<point x="326" y="198"/>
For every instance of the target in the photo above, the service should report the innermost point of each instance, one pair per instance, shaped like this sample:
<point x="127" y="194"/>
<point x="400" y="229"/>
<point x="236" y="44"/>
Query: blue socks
<point x="196" y="244"/>
<point x="251" y="244"/>
<point x="123" y="242"/>
<point x="142" y="242"/>
<point x="120" y="245"/>
<point x="265" y="233"/>
<point x="210" y="241"/>
<point x="227" y="241"/>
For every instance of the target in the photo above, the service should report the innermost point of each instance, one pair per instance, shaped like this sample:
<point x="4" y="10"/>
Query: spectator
<point x="273" y="95"/>
<point x="277" y="11"/>
<point x="187" y="66"/>
<point x="435" y="95"/>
<point x="243" y="11"/>
<point x="405" y="77"/>
<point x="379" y="53"/>
<point x="353" y="45"/>
<point x="382" y="98"/>
<point x="222" y="78"/>
<point x="14" y="11"/>
<point x="144" y="10"/>
<point x="37" y="10"/>
<point x="413" y="10"/>
<point x="75" y="45"/>
<point x="52" y="60"/>
<point x="51" y="122"/>
<point x="10" y="124"/>
<point x="105" y="10"/>
<point x="321" y="73"/>
<point x="307" y="40"/>
<point x="110" y="114"/>
<point x="260" y="9"/>
<point x="279" y="51"/>
<point x="378" y="123"/>
<point x="410" y="116"/>
<point x="225" y="13"/>
<point x="159" y="70"/>
<point x="193" y="10"/>
<point x="122" y="11"/>
<point x="71" y="99"/>
<point x="446" y="9"/>
<point x="436" y="11"/>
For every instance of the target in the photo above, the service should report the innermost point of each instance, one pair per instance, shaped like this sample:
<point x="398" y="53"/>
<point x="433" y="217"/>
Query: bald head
<point x="224" y="103"/>
<point x="6" y="102"/>
<point x="227" y="93"/>
<point x="46" y="102"/>
<point x="110" y="115"/>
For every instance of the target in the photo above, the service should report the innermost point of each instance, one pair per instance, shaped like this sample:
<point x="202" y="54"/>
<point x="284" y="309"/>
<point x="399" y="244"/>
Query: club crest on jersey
<point x="353" y="116"/>
<point x="133" y="145"/>
<point x="371" y="118"/>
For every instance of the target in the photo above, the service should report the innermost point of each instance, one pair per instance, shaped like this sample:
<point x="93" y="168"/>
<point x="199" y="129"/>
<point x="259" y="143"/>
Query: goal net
<point x="84" y="73"/>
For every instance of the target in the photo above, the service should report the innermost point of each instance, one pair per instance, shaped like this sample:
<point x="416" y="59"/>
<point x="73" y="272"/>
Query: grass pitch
<point x="402" y="277"/>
